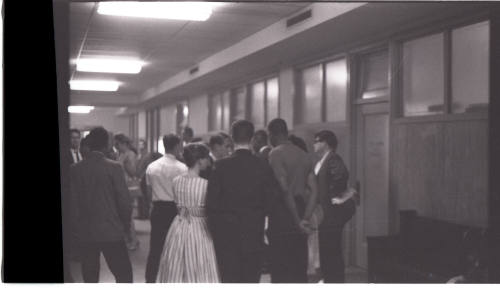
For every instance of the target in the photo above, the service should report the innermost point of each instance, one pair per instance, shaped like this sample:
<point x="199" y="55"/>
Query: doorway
<point x="372" y="175"/>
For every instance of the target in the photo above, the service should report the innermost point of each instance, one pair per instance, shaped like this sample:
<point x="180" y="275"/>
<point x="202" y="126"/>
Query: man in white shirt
<point x="75" y="144"/>
<point x="159" y="179"/>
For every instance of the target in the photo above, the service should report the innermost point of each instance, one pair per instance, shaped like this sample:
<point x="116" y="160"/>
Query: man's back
<point x="292" y="166"/>
<point x="240" y="191"/>
<point x="101" y="205"/>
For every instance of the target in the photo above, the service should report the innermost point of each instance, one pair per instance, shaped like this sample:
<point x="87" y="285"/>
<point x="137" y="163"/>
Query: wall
<point x="100" y="116"/>
<point x="440" y="169"/>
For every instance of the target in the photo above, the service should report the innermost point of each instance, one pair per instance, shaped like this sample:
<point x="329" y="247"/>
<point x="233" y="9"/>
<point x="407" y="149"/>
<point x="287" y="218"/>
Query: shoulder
<point x="113" y="164"/>
<point x="336" y="164"/>
<point x="130" y="154"/>
<point x="180" y="165"/>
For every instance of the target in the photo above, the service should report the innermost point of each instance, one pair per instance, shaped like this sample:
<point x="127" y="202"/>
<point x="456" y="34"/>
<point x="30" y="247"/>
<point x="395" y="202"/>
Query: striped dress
<point x="188" y="254"/>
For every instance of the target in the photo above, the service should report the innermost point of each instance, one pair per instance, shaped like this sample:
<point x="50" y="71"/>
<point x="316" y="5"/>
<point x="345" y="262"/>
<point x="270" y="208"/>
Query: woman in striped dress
<point x="188" y="254"/>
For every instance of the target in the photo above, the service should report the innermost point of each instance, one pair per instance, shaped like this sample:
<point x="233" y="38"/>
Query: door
<point x="372" y="174"/>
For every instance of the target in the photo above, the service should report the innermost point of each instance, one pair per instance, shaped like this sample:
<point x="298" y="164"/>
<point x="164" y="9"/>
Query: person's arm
<point x="337" y="180"/>
<point x="280" y="174"/>
<point x="130" y="164"/>
<point x="312" y="197"/>
<point x="345" y="196"/>
<point x="122" y="196"/>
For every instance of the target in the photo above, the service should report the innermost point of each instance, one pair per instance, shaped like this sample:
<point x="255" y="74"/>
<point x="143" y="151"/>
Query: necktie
<point x="77" y="156"/>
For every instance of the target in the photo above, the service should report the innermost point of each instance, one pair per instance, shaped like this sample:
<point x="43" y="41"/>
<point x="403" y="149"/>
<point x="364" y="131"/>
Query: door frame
<point x="359" y="110"/>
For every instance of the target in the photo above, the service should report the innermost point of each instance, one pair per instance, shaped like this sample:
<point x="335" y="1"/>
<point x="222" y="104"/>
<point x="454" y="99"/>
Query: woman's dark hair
<point x="194" y="152"/>
<point x="328" y="137"/>
<point x="297" y="141"/>
<point x="123" y="139"/>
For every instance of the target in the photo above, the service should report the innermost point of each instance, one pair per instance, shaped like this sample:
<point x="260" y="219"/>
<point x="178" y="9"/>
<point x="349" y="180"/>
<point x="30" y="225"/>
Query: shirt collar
<point x="325" y="155"/>
<point x="170" y="156"/>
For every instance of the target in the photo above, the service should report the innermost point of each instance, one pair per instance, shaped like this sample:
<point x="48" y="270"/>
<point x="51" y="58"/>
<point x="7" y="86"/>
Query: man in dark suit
<point x="240" y="191"/>
<point x="100" y="211"/>
<point x="337" y="202"/>
<point x="75" y="144"/>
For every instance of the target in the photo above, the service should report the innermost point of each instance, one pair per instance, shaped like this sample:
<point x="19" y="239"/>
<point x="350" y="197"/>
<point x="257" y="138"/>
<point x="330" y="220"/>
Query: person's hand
<point x="337" y="200"/>
<point x="305" y="227"/>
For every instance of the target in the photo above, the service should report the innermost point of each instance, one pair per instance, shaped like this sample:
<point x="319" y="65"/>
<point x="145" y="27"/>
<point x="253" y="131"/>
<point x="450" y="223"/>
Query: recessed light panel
<point x="109" y="65"/>
<point x="193" y="11"/>
<point x="94" y="85"/>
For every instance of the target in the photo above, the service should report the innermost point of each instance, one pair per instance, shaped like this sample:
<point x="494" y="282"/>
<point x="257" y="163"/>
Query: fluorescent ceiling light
<point x="109" y="65"/>
<point x="195" y="11"/>
<point x="80" y="109"/>
<point x="94" y="85"/>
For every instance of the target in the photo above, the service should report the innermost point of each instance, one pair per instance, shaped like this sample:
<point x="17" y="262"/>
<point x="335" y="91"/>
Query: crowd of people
<point x="221" y="211"/>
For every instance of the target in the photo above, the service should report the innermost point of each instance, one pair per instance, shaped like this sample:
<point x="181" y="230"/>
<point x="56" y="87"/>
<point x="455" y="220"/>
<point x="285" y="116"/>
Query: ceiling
<point x="167" y="46"/>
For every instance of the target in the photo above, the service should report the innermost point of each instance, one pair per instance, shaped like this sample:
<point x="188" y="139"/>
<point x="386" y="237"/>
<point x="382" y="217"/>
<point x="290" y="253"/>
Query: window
<point x="312" y="88"/>
<point x="374" y="71"/>
<point x="470" y="78"/>
<point x="423" y="75"/>
<point x="272" y="97"/>
<point x="257" y="98"/>
<point x="336" y="90"/>
<point x="426" y="73"/>
<point x="323" y="92"/>
<point x="215" y="112"/>
<point x="226" y="106"/>
<point x="239" y="104"/>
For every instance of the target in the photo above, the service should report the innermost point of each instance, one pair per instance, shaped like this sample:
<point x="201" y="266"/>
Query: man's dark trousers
<point x="288" y="257"/>
<point x="116" y="255"/>
<point x="236" y="266"/>
<point x="162" y="215"/>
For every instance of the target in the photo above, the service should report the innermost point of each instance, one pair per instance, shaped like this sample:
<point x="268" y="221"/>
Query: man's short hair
<point x="215" y="140"/>
<point x="328" y="137"/>
<point x="242" y="131"/>
<point x="71" y="131"/>
<point x="170" y="141"/>
<point x="98" y="139"/>
<point x="188" y="131"/>
<point x="278" y="127"/>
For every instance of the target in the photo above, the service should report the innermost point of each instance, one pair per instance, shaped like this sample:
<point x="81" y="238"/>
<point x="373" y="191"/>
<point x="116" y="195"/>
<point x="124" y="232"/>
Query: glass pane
<point x="215" y="113"/>
<point x="239" y="100"/>
<point x="375" y="68"/>
<point x="336" y="90"/>
<point x="423" y="76"/>
<point x="470" y="68"/>
<point x="312" y="81"/>
<point x="225" y="111"/>
<point x="272" y="99"/>
<point x="257" y="105"/>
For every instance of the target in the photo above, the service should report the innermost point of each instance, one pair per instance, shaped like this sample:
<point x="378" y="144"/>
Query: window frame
<point x="396" y="58"/>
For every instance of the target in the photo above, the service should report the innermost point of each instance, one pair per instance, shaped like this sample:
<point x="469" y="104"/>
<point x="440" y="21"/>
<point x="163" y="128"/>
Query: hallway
<point x="139" y="258"/>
